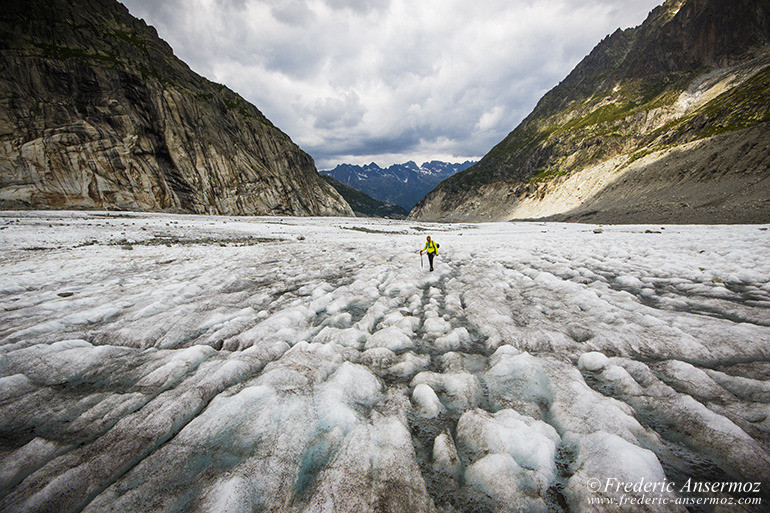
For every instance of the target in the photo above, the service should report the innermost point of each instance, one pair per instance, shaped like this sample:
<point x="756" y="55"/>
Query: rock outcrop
<point x="665" y="122"/>
<point x="97" y="112"/>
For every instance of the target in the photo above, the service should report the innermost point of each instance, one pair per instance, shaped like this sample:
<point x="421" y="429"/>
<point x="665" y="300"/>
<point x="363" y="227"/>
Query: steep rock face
<point x="693" y="73"/>
<point x="97" y="112"/>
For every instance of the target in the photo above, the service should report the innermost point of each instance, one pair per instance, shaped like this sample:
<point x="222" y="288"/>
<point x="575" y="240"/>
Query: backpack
<point x="438" y="245"/>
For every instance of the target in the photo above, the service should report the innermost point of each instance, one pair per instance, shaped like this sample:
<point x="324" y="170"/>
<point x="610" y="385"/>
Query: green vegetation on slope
<point x="619" y="101"/>
<point x="364" y="205"/>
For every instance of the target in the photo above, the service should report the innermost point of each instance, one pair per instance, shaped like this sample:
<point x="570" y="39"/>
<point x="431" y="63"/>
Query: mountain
<point x="399" y="184"/>
<point x="665" y="122"/>
<point x="364" y="205"/>
<point x="97" y="112"/>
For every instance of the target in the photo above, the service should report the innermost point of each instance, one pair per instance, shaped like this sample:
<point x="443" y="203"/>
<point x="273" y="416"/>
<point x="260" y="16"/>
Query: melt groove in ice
<point x="153" y="362"/>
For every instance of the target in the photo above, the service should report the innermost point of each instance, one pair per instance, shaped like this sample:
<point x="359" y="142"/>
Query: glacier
<point x="163" y="362"/>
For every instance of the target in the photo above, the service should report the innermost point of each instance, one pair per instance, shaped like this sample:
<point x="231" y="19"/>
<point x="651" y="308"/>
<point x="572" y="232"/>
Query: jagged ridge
<point x="399" y="184"/>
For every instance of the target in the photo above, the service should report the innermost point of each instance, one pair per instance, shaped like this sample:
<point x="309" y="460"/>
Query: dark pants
<point x="430" y="259"/>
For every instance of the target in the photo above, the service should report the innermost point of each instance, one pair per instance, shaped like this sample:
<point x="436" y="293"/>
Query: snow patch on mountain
<point x="387" y="184"/>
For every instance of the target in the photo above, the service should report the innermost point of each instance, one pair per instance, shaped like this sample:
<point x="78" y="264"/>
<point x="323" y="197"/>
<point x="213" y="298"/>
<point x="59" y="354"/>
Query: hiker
<point x="432" y="249"/>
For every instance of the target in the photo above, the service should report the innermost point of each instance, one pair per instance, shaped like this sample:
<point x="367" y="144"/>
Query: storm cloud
<point x="389" y="80"/>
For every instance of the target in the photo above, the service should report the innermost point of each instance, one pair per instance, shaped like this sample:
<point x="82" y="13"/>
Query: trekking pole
<point x="420" y="258"/>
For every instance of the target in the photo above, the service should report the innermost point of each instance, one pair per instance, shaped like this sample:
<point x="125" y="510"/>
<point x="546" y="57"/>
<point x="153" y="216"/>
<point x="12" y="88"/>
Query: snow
<point x="458" y="390"/>
<point x="228" y="364"/>
<point x="392" y="338"/>
<point x="611" y="462"/>
<point x="592" y="361"/>
<point x="504" y="483"/>
<point x="530" y="443"/>
<point x="426" y="400"/>
<point x="444" y="459"/>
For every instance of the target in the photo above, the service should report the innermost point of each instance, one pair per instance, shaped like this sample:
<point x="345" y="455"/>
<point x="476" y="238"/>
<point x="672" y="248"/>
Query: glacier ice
<point x="287" y="364"/>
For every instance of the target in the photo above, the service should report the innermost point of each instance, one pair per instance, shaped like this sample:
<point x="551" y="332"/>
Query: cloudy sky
<point x="389" y="80"/>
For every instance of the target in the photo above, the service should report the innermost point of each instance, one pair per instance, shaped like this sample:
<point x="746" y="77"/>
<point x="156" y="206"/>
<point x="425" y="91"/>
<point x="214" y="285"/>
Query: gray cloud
<point x="389" y="80"/>
<point x="293" y="12"/>
<point x="360" y="6"/>
<point x="338" y="112"/>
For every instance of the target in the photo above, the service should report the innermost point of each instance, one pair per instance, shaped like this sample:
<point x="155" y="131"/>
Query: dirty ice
<point x="153" y="362"/>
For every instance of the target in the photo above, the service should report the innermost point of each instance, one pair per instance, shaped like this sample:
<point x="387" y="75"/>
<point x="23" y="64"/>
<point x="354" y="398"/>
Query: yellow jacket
<point x="431" y="247"/>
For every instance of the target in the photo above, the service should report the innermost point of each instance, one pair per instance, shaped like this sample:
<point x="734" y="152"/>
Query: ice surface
<point x="530" y="443"/>
<point x="445" y="457"/>
<point x="592" y="361"/>
<point x="426" y="401"/>
<point x="602" y="462"/>
<point x="157" y="362"/>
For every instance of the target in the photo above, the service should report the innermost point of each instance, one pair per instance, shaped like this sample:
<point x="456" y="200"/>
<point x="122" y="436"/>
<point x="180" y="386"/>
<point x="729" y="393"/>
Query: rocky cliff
<point x="97" y="112"/>
<point x="665" y="122"/>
